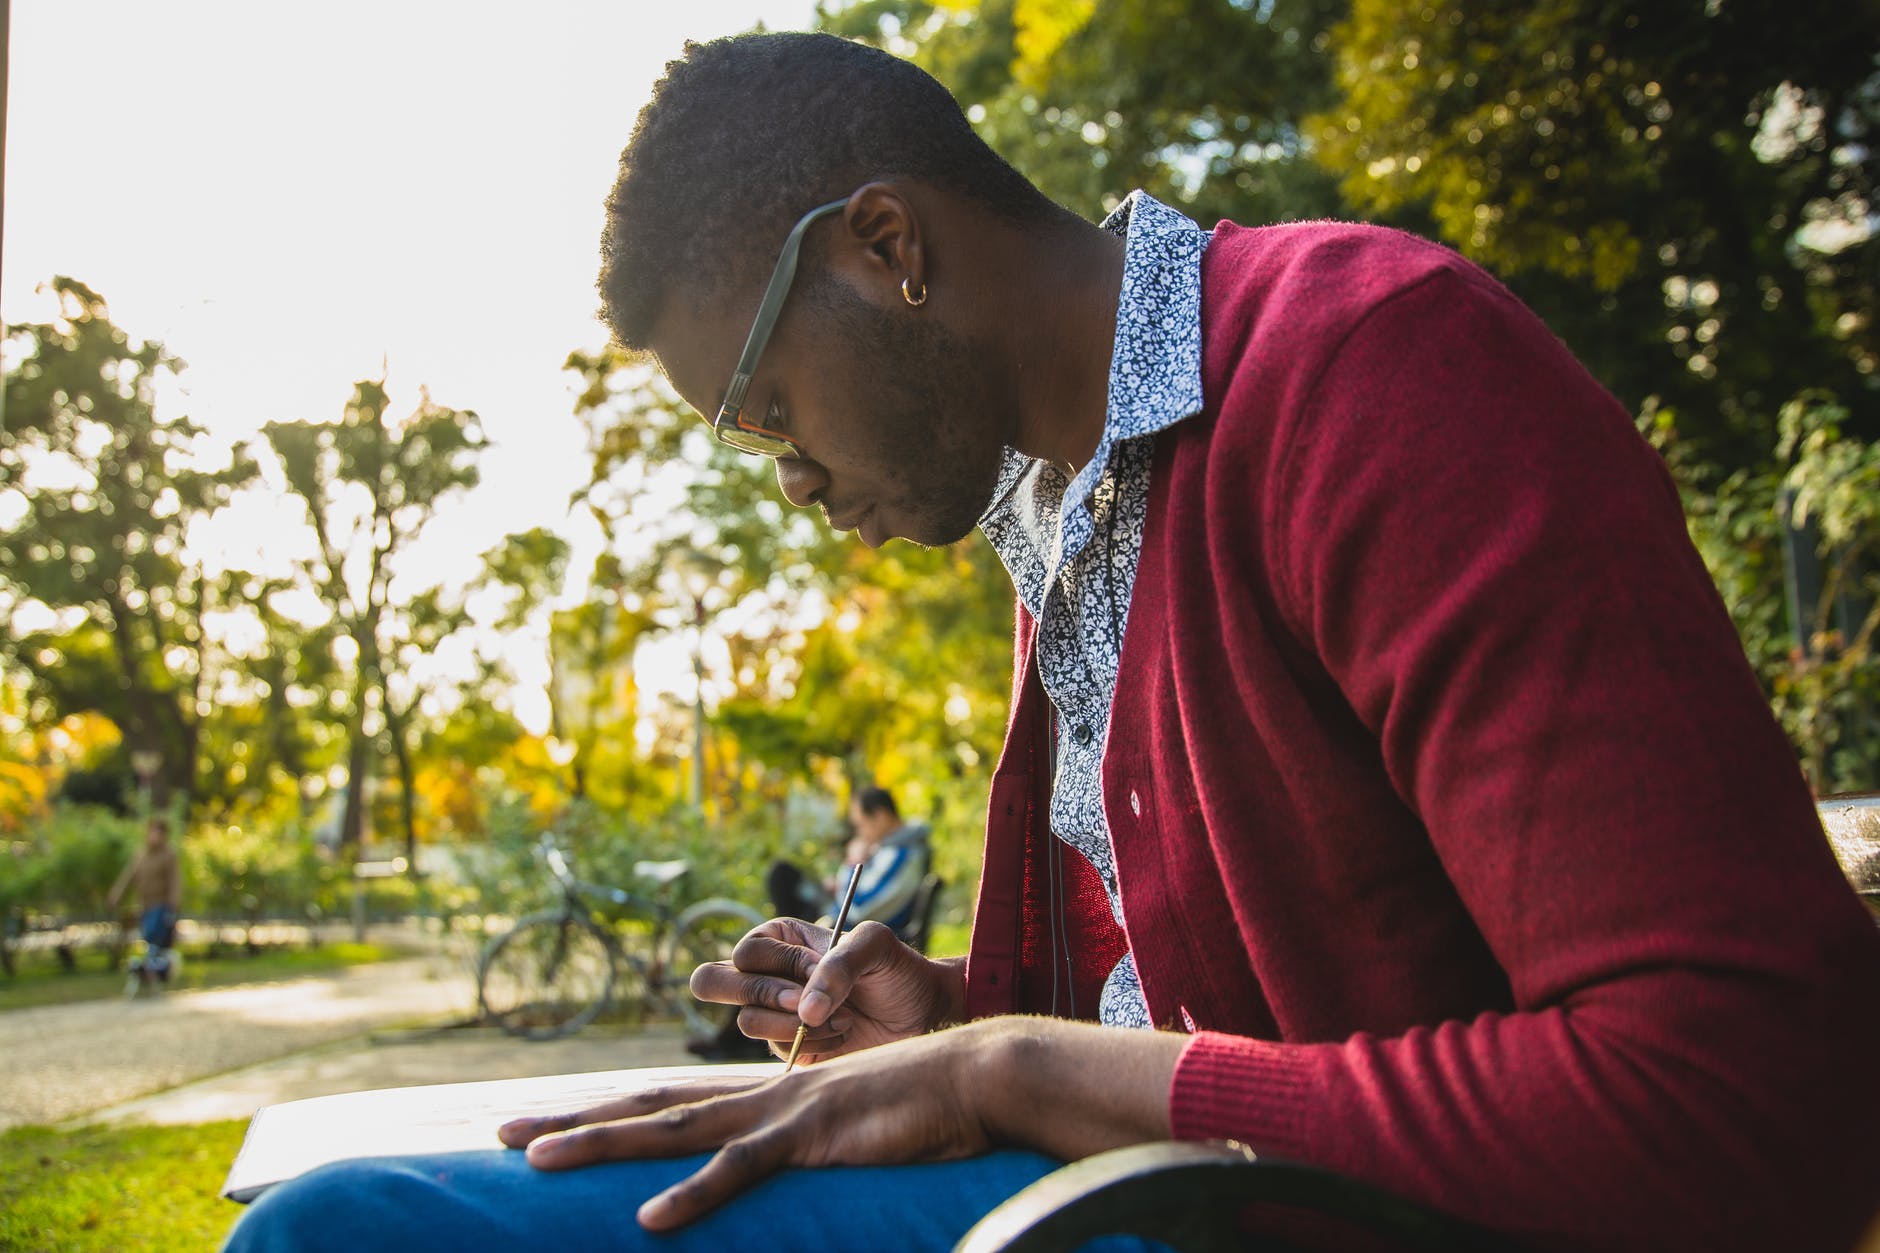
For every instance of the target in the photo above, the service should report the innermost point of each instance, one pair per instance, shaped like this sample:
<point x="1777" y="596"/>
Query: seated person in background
<point x="894" y="854"/>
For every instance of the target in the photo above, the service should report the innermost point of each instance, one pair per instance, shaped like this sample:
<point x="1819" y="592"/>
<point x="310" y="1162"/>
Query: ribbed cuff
<point x="1229" y="1087"/>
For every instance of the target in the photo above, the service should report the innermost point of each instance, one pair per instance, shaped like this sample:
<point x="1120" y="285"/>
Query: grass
<point x="119" y="1188"/>
<point x="141" y="1189"/>
<point x="40" y="981"/>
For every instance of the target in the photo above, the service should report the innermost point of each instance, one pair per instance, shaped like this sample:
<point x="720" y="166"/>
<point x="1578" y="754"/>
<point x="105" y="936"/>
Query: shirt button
<point x="1135" y="803"/>
<point x="1081" y="733"/>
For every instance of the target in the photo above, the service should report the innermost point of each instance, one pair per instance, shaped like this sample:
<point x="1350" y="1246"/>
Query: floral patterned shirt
<point x="1043" y="527"/>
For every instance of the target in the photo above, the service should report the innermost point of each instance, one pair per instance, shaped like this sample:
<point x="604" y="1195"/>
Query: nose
<point x="802" y="480"/>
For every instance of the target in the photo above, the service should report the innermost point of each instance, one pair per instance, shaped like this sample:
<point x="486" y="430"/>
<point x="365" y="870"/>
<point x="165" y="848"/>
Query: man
<point x="158" y="876"/>
<point x="1385" y="786"/>
<point x="893" y="855"/>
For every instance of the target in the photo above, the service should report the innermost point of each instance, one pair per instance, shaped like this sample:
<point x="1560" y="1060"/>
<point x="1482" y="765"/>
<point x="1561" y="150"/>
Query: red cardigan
<point x="1447" y="812"/>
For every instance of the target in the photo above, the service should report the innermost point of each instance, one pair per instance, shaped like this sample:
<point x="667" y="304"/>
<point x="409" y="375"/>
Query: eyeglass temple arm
<point x="768" y="311"/>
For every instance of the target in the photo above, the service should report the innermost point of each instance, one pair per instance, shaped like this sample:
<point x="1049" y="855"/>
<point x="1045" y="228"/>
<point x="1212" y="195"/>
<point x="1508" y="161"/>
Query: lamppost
<point x="146" y="762"/>
<point x="696" y="581"/>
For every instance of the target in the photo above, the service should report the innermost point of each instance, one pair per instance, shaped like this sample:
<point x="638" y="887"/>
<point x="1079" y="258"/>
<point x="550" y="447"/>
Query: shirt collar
<point x="1155" y="362"/>
<point x="1155" y="366"/>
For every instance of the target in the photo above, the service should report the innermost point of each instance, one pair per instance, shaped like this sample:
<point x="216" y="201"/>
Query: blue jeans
<point x="496" y="1200"/>
<point x="157" y="926"/>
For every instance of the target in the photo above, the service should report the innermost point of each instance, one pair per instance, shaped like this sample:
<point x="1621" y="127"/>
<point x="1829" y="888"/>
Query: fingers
<point x="780" y="1028"/>
<point x="735" y="1168"/>
<point x="786" y="947"/>
<point x="723" y="984"/>
<point x="869" y="947"/>
<point x="520" y="1132"/>
<point x="767" y="969"/>
<point x="675" y="1131"/>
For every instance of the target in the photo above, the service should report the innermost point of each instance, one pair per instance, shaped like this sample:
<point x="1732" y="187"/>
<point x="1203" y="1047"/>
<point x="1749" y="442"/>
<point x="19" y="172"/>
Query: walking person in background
<point x="158" y="874"/>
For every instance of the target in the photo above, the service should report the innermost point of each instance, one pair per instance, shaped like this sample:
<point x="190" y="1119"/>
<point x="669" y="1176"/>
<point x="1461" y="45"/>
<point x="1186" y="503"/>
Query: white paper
<point x="292" y="1138"/>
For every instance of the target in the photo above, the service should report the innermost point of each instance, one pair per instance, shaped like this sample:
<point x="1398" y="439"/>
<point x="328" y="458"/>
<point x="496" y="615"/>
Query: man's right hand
<point x="872" y="990"/>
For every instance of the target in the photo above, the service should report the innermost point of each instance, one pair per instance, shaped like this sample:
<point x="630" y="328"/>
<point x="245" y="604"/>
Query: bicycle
<point x="559" y="969"/>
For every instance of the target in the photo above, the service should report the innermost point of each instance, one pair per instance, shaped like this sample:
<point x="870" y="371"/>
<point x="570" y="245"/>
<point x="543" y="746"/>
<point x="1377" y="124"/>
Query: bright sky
<point x="295" y="197"/>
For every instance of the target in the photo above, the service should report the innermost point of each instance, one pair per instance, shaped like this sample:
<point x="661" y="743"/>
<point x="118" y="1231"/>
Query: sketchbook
<point x="292" y="1138"/>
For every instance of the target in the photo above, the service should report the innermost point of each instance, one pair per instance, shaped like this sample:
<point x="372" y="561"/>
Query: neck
<point x="1063" y="302"/>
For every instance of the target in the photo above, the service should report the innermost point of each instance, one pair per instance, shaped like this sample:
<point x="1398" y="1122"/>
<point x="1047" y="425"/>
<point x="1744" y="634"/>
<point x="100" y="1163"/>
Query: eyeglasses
<point x="731" y="427"/>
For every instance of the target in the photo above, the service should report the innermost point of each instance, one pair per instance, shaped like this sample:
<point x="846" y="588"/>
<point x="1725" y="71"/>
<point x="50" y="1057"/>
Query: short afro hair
<point x="877" y="800"/>
<point x="744" y="135"/>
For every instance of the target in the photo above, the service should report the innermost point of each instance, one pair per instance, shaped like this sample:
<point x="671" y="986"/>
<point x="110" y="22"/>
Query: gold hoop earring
<point x="907" y="293"/>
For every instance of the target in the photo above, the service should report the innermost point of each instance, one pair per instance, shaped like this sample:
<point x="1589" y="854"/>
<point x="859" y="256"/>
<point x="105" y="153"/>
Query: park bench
<point x="1196" y="1198"/>
<point x="1202" y="1198"/>
<point x="64" y="937"/>
<point x="69" y="939"/>
<point x="919" y="929"/>
<point x="1853" y="827"/>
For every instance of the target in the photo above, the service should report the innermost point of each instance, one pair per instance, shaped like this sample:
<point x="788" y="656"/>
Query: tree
<point x="1201" y="102"/>
<point x="1684" y="192"/>
<point x="583" y="653"/>
<point x="278" y="724"/>
<point x="369" y="485"/>
<point x="98" y="492"/>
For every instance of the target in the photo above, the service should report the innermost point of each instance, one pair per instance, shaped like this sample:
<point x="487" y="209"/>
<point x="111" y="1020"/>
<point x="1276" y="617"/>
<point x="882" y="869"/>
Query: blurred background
<point x="331" y="526"/>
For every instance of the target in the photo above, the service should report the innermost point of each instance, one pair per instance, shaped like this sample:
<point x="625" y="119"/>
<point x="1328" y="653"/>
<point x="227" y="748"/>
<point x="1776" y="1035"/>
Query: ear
<point x="884" y="241"/>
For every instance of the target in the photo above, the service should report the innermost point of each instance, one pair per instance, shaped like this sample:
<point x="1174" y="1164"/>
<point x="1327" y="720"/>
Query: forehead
<point x="697" y="348"/>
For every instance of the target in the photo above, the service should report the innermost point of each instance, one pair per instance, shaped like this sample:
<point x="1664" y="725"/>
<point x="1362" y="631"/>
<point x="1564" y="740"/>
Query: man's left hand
<point x="913" y="1101"/>
<point x="1067" y="1089"/>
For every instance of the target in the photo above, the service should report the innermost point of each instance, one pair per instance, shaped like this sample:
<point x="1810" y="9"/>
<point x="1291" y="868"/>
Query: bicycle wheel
<point x="548" y="976"/>
<point x="707" y="932"/>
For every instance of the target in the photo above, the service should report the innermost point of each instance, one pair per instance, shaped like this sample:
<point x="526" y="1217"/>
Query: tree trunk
<point x="352" y="818"/>
<point x="401" y="753"/>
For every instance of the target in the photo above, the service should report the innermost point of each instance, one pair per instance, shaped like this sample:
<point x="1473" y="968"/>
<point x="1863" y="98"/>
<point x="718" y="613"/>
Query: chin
<point x="950" y="513"/>
<point x="939" y="532"/>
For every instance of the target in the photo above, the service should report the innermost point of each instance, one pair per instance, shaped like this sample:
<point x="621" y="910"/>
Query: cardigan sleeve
<point x="1493" y="569"/>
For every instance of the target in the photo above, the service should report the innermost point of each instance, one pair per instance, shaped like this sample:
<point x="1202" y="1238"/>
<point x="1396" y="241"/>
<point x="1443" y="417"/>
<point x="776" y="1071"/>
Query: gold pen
<point x="842" y="916"/>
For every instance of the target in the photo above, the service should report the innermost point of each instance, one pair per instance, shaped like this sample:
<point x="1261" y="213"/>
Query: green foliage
<point x="274" y="729"/>
<point x="1830" y="698"/>
<point x="107" y="489"/>
<point x="236" y="872"/>
<point x="501" y="873"/>
<point x="1825" y="687"/>
<point x="68" y="860"/>
<point x="1680" y="190"/>
<point x="1199" y="101"/>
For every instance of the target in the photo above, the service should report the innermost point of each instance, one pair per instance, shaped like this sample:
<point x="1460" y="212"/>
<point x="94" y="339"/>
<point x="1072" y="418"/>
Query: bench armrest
<point x="1192" y="1197"/>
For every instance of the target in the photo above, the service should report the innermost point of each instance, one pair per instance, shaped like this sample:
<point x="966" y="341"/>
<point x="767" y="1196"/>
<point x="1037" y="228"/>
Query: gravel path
<point x="403" y="1059"/>
<point x="62" y="1061"/>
